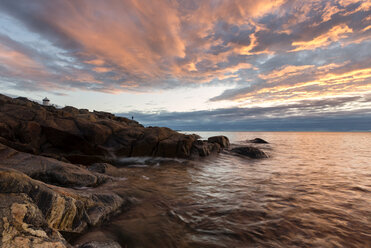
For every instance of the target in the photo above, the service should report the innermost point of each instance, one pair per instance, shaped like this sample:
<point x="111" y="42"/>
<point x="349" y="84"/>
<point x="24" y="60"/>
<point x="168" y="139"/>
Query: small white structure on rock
<point x="46" y="101"/>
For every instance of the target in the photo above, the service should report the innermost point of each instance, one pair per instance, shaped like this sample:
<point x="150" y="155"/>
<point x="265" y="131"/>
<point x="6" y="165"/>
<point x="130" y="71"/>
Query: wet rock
<point x="251" y="152"/>
<point x="223" y="141"/>
<point x="101" y="244"/>
<point x="101" y="207"/>
<point x="103" y="168"/>
<point x="258" y="141"/>
<point x="203" y="148"/>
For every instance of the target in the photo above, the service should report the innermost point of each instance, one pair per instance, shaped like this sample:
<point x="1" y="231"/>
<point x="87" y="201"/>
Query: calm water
<point x="313" y="191"/>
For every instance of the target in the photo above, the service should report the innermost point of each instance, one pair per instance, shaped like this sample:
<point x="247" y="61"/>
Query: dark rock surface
<point x="49" y="170"/>
<point x="101" y="244"/>
<point x="251" y="152"/>
<point x="221" y="140"/>
<point x="82" y="137"/>
<point x="258" y="141"/>
<point x="202" y="148"/>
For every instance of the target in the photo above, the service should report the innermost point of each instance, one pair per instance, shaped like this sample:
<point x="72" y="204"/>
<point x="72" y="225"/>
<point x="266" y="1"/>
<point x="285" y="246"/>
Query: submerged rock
<point x="251" y="152"/>
<point x="258" y="141"/>
<point x="103" y="168"/>
<point x="101" y="244"/>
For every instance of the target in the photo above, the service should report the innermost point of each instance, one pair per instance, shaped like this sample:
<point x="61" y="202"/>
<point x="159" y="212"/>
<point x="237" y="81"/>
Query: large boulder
<point x="249" y="151"/>
<point x="223" y="141"/>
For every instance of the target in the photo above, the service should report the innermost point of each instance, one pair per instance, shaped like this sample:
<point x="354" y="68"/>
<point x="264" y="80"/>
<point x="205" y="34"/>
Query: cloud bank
<point x="266" y="52"/>
<point x="331" y="114"/>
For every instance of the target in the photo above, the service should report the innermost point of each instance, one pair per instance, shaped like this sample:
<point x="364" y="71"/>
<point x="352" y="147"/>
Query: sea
<point x="314" y="190"/>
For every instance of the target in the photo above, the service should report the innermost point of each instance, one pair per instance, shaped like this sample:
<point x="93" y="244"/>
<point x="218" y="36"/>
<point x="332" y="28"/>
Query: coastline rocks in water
<point x="251" y="152"/>
<point x="258" y="141"/>
<point x="82" y="137"/>
<point x="223" y="141"/>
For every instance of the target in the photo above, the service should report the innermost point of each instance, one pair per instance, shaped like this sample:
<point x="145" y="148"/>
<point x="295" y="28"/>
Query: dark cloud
<point x="318" y="112"/>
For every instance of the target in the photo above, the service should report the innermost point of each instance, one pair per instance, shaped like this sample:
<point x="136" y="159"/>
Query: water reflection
<point x="313" y="191"/>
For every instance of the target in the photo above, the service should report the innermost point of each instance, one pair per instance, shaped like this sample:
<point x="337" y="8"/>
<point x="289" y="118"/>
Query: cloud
<point x="270" y="51"/>
<point x="301" y="115"/>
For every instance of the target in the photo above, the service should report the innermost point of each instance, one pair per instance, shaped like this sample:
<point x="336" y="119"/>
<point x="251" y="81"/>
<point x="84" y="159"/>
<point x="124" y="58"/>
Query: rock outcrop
<point x="46" y="210"/>
<point x="82" y="137"/>
<point x="22" y="224"/>
<point x="49" y="170"/>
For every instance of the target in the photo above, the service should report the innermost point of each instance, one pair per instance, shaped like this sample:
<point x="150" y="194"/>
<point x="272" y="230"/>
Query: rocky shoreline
<point x="48" y="156"/>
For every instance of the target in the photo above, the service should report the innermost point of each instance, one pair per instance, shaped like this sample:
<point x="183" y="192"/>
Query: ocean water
<point x="314" y="190"/>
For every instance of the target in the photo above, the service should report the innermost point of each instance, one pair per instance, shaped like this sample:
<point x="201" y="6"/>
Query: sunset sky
<point x="195" y="64"/>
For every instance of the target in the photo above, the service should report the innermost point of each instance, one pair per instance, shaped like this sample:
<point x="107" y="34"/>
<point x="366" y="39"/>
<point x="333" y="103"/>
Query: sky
<point x="195" y="65"/>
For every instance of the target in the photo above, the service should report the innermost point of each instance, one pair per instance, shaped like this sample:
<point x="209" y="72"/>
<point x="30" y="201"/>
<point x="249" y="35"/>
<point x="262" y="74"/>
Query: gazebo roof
<point x="46" y="99"/>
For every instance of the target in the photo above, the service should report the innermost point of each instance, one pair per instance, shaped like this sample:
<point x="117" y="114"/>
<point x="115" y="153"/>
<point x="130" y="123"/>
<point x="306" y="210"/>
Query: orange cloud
<point x="335" y="34"/>
<point x="102" y="69"/>
<point x="288" y="71"/>
<point x="329" y="84"/>
<point x="18" y="62"/>
<point x="97" y="62"/>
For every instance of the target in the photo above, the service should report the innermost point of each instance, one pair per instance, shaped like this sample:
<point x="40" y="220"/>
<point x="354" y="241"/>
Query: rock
<point x="60" y="212"/>
<point x="105" y="168"/>
<point x="63" y="209"/>
<point x="258" y="141"/>
<point x="100" y="207"/>
<point x="101" y="244"/>
<point x="49" y="170"/>
<point x="22" y="224"/>
<point x="202" y="148"/>
<point x="223" y="141"/>
<point x="251" y="152"/>
<point x="84" y="137"/>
